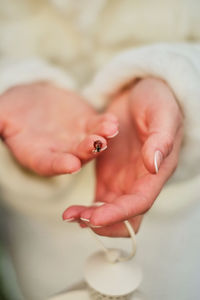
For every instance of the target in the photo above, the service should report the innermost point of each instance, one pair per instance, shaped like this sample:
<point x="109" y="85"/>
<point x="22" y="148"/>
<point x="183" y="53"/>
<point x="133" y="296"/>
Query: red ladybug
<point x="97" y="146"/>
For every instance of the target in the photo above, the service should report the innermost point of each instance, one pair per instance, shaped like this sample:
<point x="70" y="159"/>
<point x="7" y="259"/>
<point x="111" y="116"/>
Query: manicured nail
<point x="112" y="136"/>
<point x="98" y="204"/>
<point x="104" y="148"/>
<point x="95" y="226"/>
<point x="88" y="223"/>
<point x="69" y="220"/>
<point x="158" y="158"/>
<point x="85" y="220"/>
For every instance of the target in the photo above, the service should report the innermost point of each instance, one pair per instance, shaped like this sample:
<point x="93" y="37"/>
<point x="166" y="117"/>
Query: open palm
<point x="150" y="131"/>
<point x="51" y="130"/>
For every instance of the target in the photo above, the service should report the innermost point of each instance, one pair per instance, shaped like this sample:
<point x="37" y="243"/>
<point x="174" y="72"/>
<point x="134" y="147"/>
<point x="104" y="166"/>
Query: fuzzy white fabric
<point x="179" y="66"/>
<point x="33" y="70"/>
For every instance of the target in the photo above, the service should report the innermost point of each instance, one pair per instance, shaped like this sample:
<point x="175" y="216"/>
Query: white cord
<point x="108" y="251"/>
<point x="133" y="239"/>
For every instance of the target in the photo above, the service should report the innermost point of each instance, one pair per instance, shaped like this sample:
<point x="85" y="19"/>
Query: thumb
<point x="156" y="148"/>
<point x="163" y="119"/>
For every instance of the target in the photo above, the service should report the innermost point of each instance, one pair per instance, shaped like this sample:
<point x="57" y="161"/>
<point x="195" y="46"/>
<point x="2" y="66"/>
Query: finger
<point x="73" y="213"/>
<point x="99" y="118"/>
<point x="96" y="120"/>
<point x="156" y="148"/>
<point x="112" y="213"/>
<point x="105" y="125"/>
<point x="119" y="229"/>
<point x="50" y="163"/>
<point x="44" y="161"/>
<point x="82" y="215"/>
<point x="102" y="196"/>
<point x="158" y="118"/>
<point x="86" y="149"/>
<point x="128" y="206"/>
<point x="123" y="208"/>
<point x="144" y="192"/>
<point x="107" y="129"/>
<point x="86" y="214"/>
<point x="160" y="143"/>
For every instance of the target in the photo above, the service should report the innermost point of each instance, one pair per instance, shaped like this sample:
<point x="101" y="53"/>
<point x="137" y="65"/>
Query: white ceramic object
<point x="112" y="279"/>
<point x="73" y="295"/>
<point x="109" y="273"/>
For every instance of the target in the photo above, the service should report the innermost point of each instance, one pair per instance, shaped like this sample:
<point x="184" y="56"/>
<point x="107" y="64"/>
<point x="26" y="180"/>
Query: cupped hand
<point x="138" y="162"/>
<point x="50" y="130"/>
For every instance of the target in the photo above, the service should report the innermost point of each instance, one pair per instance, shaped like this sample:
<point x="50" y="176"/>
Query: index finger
<point x="144" y="192"/>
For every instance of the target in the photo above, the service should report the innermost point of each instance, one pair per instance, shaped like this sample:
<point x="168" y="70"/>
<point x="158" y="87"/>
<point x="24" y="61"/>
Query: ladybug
<point x="97" y="146"/>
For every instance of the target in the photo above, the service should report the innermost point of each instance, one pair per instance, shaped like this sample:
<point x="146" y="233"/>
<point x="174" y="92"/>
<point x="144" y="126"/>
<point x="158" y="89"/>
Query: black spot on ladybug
<point x="98" y="146"/>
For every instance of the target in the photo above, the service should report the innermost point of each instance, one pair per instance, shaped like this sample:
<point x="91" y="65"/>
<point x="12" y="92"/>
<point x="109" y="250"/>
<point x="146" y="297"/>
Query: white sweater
<point x="96" y="47"/>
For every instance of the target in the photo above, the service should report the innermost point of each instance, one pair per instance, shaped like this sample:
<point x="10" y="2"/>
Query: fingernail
<point x="158" y="158"/>
<point x="90" y="225"/>
<point x="104" y="148"/>
<point x="95" y="226"/>
<point x="85" y="220"/>
<point x="69" y="220"/>
<point x="112" y="136"/>
<point x="98" y="204"/>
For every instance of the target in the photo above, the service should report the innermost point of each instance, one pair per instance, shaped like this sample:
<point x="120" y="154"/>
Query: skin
<point x="52" y="131"/>
<point x="149" y="120"/>
<point x="44" y="137"/>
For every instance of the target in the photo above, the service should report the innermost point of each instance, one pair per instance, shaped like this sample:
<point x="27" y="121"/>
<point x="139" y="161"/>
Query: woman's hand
<point x="50" y="130"/>
<point x="138" y="162"/>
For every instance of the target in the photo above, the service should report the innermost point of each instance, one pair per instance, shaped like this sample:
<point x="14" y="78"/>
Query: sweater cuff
<point x="30" y="71"/>
<point x="179" y="66"/>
